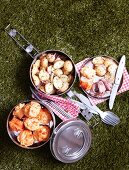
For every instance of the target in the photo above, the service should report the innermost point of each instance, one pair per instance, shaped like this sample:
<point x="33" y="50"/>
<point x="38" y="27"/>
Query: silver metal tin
<point x="35" y="54"/>
<point x="89" y="60"/>
<point x="14" y="137"/>
<point x="64" y="56"/>
<point x="70" y="140"/>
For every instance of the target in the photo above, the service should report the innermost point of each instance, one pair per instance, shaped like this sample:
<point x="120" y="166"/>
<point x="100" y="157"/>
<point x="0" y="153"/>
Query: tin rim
<point x="38" y="144"/>
<point x="90" y="59"/>
<point x="78" y="154"/>
<point x="58" y="52"/>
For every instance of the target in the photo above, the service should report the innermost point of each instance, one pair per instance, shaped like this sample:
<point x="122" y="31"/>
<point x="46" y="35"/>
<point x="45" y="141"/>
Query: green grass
<point x="80" y="29"/>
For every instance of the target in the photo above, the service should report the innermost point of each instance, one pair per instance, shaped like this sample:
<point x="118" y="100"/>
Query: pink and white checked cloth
<point x="124" y="87"/>
<point x="66" y="104"/>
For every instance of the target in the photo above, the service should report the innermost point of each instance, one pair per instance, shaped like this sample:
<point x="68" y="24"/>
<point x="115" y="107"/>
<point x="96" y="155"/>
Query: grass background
<point x="81" y="29"/>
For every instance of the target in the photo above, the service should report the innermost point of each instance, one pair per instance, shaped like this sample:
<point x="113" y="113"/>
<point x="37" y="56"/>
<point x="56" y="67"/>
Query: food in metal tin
<point x="57" y="82"/>
<point x="68" y="66"/>
<point x="16" y="124"/>
<point x="112" y="68"/>
<point x="37" y="63"/>
<point x="108" y="62"/>
<point x="36" y="67"/>
<point x="64" y="87"/>
<point x="65" y="71"/>
<point x="49" y="88"/>
<point x="44" y="116"/>
<point x="58" y="64"/>
<point x="98" y="61"/>
<point x="88" y="72"/>
<point x="35" y="120"/>
<point x="99" y="88"/>
<point x="51" y="58"/>
<point x="64" y="78"/>
<point x="43" y="75"/>
<point x="31" y="123"/>
<point x="19" y="110"/>
<point x="85" y="83"/>
<point x="100" y="70"/>
<point x="58" y="72"/>
<point x="42" y="134"/>
<point x="109" y="77"/>
<point x="98" y="75"/>
<point x="27" y="109"/>
<point x="70" y="78"/>
<point x="50" y="71"/>
<point x="32" y="109"/>
<point x="44" y="62"/>
<point x="26" y="138"/>
<point x="36" y="80"/>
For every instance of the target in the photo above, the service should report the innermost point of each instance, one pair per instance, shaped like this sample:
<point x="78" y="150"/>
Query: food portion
<point x="98" y="75"/>
<point x="53" y="73"/>
<point x="42" y="134"/>
<point x="88" y="72"/>
<point x="26" y="138"/>
<point x="31" y="123"/>
<point x="16" y="124"/>
<point x="44" y="116"/>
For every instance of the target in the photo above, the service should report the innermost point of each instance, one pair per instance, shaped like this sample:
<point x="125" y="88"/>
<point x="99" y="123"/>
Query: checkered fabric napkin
<point x="124" y="87"/>
<point x="66" y="104"/>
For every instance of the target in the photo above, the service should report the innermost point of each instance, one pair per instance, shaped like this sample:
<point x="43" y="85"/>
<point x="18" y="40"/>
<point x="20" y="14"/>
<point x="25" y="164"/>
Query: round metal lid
<point x="70" y="141"/>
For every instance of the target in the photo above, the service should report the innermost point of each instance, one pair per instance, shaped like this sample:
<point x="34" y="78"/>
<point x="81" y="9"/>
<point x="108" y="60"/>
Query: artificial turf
<point x="81" y="29"/>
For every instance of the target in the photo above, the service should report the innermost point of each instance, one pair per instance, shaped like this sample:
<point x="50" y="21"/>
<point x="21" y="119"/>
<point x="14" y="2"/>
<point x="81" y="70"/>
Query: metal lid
<point x="70" y="141"/>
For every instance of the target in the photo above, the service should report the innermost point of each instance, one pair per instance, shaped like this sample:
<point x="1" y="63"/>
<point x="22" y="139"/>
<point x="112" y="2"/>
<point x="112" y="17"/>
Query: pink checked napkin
<point x="66" y="104"/>
<point x="124" y="87"/>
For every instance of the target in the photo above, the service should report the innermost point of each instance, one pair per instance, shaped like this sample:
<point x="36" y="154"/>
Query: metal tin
<point x="60" y="53"/>
<point x="35" y="54"/>
<point x="89" y="60"/>
<point x="13" y="136"/>
<point x="70" y="141"/>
